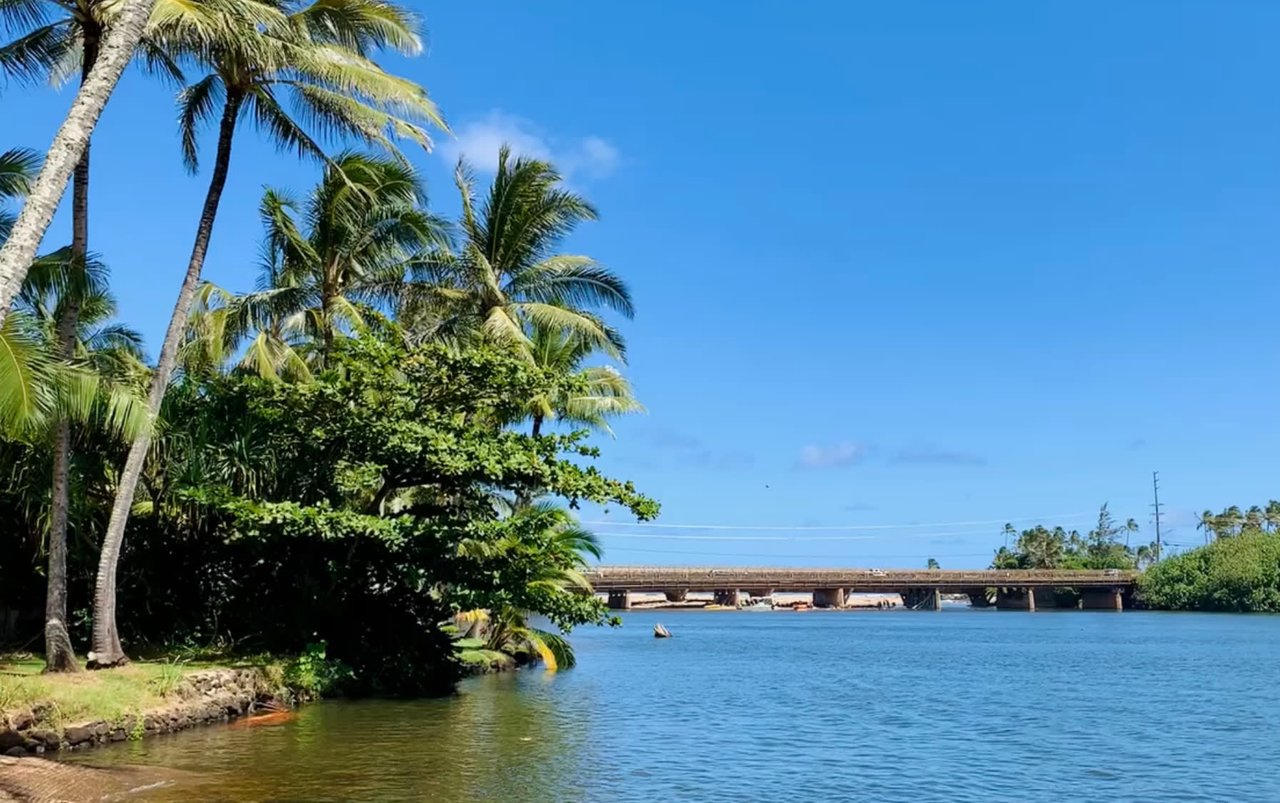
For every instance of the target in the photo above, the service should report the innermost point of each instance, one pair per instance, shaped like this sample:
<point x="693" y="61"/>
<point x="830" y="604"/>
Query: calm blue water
<point x="957" y="705"/>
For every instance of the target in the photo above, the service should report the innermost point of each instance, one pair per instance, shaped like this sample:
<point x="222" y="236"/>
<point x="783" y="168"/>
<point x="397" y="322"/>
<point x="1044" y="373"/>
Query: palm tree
<point x="112" y="55"/>
<point x="600" y="392"/>
<point x="557" y="553"/>
<point x="1230" y="521"/>
<point x="506" y="275"/>
<point x="1207" y="522"/>
<point x="49" y="48"/>
<point x="319" y="56"/>
<point x="1043" y="548"/>
<point x="1253" y="518"/>
<point x="107" y="356"/>
<point x="362" y="226"/>
<point x="1271" y="515"/>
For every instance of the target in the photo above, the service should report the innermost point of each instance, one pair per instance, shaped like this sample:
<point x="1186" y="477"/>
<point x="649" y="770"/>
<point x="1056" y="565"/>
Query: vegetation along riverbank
<point x="378" y="448"/>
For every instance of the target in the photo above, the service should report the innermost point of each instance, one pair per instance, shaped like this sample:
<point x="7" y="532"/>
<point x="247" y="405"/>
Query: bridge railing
<point x="674" y="577"/>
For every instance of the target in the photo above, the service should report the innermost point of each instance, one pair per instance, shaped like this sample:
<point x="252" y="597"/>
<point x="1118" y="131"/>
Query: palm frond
<point x="22" y="15"/>
<point x="18" y="167"/>
<point x="28" y="376"/>
<point x="554" y="649"/>
<point x="362" y="26"/>
<point x="197" y="105"/>
<point x="35" y="56"/>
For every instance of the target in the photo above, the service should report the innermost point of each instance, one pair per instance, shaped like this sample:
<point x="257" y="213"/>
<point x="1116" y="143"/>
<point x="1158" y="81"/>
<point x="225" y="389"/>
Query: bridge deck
<point x="621" y="578"/>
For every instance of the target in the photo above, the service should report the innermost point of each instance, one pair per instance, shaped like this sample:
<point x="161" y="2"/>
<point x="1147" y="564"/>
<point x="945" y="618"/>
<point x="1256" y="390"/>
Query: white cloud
<point x="478" y="142"/>
<point x="839" y="455"/>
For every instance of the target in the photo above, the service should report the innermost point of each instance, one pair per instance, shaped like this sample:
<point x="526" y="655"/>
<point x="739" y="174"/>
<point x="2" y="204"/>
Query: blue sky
<point x="921" y="264"/>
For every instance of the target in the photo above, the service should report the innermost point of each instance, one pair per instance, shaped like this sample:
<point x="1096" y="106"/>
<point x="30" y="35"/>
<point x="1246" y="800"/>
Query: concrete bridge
<point x="920" y="589"/>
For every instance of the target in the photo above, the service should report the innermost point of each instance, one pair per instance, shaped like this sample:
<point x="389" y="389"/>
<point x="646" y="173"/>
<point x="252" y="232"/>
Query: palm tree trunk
<point x="68" y="145"/>
<point x="59" y="654"/>
<point x="106" y="639"/>
<point x="537" y="426"/>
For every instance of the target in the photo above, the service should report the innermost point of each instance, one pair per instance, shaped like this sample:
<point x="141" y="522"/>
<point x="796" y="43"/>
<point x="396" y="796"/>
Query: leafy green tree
<point x="320" y="56"/>
<point x="359" y="509"/>
<point x="933" y="564"/>
<point x="506" y="276"/>
<point x="1229" y="574"/>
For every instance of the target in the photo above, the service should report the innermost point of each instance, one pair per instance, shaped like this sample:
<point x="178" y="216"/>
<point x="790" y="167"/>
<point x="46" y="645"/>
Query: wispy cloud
<point x="478" y="141"/>
<point x="681" y="448"/>
<point x="1137" y="444"/>
<point x="937" y="457"/>
<point x="837" y="455"/>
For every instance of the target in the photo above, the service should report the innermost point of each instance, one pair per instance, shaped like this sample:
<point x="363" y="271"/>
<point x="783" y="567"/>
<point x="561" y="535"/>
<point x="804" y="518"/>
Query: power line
<point x="854" y="527"/>
<point x="896" y="536"/>
<point x="801" y="557"/>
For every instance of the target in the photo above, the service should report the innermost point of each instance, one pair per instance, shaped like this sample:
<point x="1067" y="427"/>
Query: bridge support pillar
<point x="620" y="600"/>
<point x="676" y="594"/>
<point x="732" y="599"/>
<point x="1020" y="599"/>
<point x="1102" y="599"/>
<point x="922" y="599"/>
<point x="828" y="598"/>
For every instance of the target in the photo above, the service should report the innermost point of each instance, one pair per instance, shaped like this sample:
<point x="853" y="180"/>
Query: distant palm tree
<point x="1231" y="521"/>
<point x="506" y="276"/>
<point x="1271" y="515"/>
<point x="1208" y="522"/>
<point x="319" y="55"/>
<point x="1253" y="518"/>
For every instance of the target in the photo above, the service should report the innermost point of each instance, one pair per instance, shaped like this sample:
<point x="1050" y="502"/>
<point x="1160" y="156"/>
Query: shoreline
<point x="203" y="697"/>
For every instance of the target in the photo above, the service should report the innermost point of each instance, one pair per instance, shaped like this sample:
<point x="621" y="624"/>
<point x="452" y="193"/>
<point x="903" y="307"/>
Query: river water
<point x="896" y="705"/>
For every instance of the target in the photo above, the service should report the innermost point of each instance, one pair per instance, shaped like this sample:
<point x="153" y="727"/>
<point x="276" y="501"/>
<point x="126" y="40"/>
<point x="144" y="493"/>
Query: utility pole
<point x="1155" y="488"/>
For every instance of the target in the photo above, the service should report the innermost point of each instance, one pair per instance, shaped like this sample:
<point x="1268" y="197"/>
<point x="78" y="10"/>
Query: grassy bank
<point x="106" y="695"/>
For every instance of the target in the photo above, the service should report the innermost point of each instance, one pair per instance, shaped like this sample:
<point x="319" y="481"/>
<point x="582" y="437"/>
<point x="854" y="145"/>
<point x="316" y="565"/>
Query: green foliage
<point x="1101" y="548"/>
<point x="313" y="674"/>
<point x="362" y="508"/>
<point x="1238" y="573"/>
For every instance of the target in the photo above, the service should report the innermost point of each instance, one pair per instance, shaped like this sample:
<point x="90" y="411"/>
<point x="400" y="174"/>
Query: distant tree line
<point x="1106" y="546"/>
<point x="1239" y="570"/>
